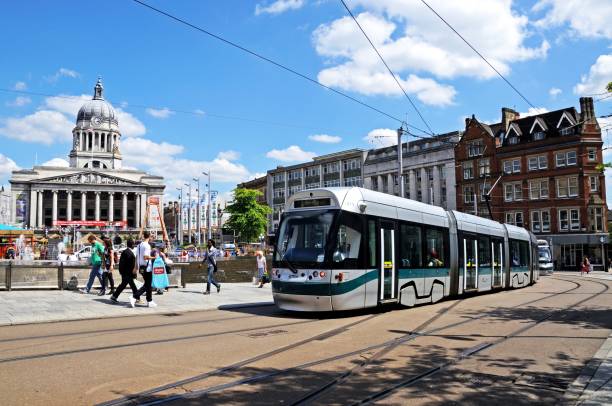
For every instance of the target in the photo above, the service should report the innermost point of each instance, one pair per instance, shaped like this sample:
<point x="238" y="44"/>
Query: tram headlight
<point x="315" y="274"/>
<point x="322" y="274"/>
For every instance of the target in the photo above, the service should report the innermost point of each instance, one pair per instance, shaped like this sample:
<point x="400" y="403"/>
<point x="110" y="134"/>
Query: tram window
<point x="524" y="247"/>
<point x="410" y="246"/>
<point x="348" y="240"/>
<point x="372" y="242"/>
<point x="519" y="253"/>
<point x="484" y="251"/>
<point x="436" y="251"/>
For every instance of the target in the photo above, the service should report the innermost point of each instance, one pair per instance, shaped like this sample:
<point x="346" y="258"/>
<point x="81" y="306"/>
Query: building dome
<point x="97" y="112"/>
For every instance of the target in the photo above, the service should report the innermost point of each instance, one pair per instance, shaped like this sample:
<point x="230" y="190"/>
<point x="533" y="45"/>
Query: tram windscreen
<point x="544" y="254"/>
<point x="303" y="236"/>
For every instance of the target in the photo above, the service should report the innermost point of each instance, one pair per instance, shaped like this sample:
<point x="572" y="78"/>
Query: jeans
<point x="95" y="272"/>
<point x="127" y="279"/>
<point x="260" y="273"/>
<point x="211" y="279"/>
<point x="146" y="288"/>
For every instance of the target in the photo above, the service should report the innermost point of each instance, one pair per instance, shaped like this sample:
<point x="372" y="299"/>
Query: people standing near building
<point x="97" y="252"/>
<point x="109" y="265"/>
<point x="586" y="266"/>
<point x="209" y="259"/>
<point x="127" y="269"/>
<point x="261" y="268"/>
<point x="144" y="260"/>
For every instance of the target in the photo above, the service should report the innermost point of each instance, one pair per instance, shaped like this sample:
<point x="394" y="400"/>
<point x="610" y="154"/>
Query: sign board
<point x="90" y="223"/>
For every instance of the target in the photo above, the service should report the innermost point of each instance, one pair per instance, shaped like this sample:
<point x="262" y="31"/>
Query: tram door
<point x="387" y="261"/>
<point x="470" y="263"/>
<point x="497" y="259"/>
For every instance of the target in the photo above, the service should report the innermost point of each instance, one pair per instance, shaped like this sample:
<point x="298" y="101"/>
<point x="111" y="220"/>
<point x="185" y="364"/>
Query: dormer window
<point x="513" y="140"/>
<point x="567" y="131"/>
<point x="539" y="135"/>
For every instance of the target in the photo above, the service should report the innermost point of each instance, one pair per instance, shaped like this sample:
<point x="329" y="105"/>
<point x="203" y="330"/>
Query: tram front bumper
<point x="302" y="303"/>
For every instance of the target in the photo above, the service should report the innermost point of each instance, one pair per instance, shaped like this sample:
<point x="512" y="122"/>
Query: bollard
<point x="8" y="275"/>
<point x="60" y="276"/>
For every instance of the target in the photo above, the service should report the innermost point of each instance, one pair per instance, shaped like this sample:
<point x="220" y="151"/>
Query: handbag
<point x="159" y="278"/>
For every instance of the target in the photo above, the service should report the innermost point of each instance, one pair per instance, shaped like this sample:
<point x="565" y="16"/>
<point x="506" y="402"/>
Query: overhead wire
<point x="387" y="66"/>
<point x="273" y="62"/>
<point x="478" y="53"/>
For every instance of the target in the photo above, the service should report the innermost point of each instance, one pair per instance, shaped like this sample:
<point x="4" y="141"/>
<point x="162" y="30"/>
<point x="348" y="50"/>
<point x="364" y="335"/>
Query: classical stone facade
<point x="94" y="191"/>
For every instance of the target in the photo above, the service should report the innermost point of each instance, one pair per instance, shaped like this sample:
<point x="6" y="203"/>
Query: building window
<point x="594" y="183"/>
<point x="468" y="194"/>
<point x="468" y="170"/>
<point x="592" y="154"/>
<point x="513" y="191"/>
<point x="540" y="221"/>
<point x="374" y="182"/>
<point x="540" y="135"/>
<point x="483" y="190"/>
<point x="512" y="166"/>
<point x="484" y="167"/>
<point x="515" y="218"/>
<point x="569" y="219"/>
<point x="566" y="158"/>
<point x="537" y="162"/>
<point x="567" y="187"/>
<point x="351" y="164"/>
<point x="312" y="171"/>
<point x="475" y="148"/>
<point x="332" y="183"/>
<point x="331" y="167"/>
<point x="567" y="131"/>
<point x="312" y="185"/>
<point x="596" y="218"/>
<point x="353" y="181"/>
<point x="279" y="177"/>
<point x="279" y="192"/>
<point x="538" y="189"/>
<point x="513" y="140"/>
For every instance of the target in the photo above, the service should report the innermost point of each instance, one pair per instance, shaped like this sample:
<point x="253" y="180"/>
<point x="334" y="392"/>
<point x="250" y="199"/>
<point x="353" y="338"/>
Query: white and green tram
<point x="352" y="248"/>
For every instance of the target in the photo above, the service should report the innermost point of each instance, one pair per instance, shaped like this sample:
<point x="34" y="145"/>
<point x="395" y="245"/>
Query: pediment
<point x="515" y="129"/>
<point x="567" y="119"/>
<point x="540" y="123"/>
<point x="87" y="178"/>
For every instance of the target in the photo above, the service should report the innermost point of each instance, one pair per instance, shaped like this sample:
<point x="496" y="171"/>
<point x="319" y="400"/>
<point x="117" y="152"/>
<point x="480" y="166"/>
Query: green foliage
<point x="602" y="167"/>
<point x="609" y="87"/>
<point x="248" y="218"/>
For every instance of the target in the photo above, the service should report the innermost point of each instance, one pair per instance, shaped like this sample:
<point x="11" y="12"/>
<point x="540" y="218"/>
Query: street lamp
<point x="179" y="228"/>
<point x="400" y="175"/>
<point x="189" y="213"/>
<point x="198" y="222"/>
<point x="208" y="206"/>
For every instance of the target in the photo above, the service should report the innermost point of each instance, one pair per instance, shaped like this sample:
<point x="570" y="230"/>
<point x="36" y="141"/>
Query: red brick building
<point x="545" y="177"/>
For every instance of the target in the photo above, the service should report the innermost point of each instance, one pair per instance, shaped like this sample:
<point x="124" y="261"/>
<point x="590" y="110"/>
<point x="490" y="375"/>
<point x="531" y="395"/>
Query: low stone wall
<point x="52" y="276"/>
<point x="230" y="269"/>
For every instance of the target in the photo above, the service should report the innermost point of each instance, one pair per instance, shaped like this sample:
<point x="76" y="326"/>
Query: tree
<point x="609" y="87"/>
<point x="248" y="218"/>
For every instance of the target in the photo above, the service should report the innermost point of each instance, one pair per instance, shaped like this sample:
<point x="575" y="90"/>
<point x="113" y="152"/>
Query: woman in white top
<point x="261" y="268"/>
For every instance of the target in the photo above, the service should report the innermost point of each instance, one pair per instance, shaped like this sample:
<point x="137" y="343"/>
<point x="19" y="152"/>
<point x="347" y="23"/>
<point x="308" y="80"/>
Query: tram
<point x="350" y="248"/>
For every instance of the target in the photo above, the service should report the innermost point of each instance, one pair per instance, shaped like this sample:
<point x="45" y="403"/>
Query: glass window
<point x="484" y="167"/>
<point x="594" y="183"/>
<point x="516" y="166"/>
<point x="303" y="237"/>
<point x="435" y="248"/>
<point x="536" y="225"/>
<point x="507" y="167"/>
<point x="410" y="246"/>
<point x="596" y="218"/>
<point x="372" y="242"/>
<point x="468" y="170"/>
<point x="540" y="135"/>
<point x="524" y="248"/>
<point x="592" y="153"/>
<point x="533" y="163"/>
<point x="545" y="221"/>
<point x="484" y="251"/>
<point x="573" y="186"/>
<point x="518" y="219"/>
<point x="574" y="219"/>
<point x="508" y="192"/>
<point x="348" y="241"/>
<point x="542" y="162"/>
<point x="468" y="194"/>
<point x="562" y="187"/>
<point x="571" y="158"/>
<point x="560" y="159"/>
<point x="518" y="191"/>
<point x="563" y="220"/>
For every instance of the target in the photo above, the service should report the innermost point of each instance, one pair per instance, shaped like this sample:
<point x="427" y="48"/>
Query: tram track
<point x="475" y="350"/>
<point x="319" y="392"/>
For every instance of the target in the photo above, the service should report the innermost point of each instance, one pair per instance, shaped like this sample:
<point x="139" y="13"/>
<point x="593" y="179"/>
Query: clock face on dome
<point x="96" y="121"/>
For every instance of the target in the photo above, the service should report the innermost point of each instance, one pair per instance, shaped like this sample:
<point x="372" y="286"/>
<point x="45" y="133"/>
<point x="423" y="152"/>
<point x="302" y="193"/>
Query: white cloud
<point x="586" y="18"/>
<point x="62" y="72"/>
<point x="382" y="137"/>
<point x="412" y="39"/>
<point x="600" y="74"/>
<point x="290" y="154"/>
<point x="129" y="125"/>
<point x="533" y="111"/>
<point x="325" y="138"/>
<point x="58" y="162"/>
<point x="7" y="165"/>
<point x="19" y="101"/>
<point x="20" y="86"/>
<point x="279" y="6"/>
<point x="554" y="92"/>
<point x="229" y="155"/>
<point x="160" y="113"/>
<point x="43" y="126"/>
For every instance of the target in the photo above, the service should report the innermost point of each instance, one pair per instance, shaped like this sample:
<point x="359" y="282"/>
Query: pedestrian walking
<point x="261" y="268"/>
<point x="586" y="266"/>
<point x="109" y="266"/>
<point x="144" y="260"/>
<point x="127" y="269"/>
<point x="97" y="252"/>
<point x="168" y="269"/>
<point x="209" y="259"/>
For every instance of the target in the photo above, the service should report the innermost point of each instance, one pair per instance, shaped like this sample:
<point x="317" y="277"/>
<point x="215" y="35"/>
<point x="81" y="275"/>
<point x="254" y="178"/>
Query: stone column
<point x="97" y="215"/>
<point x="124" y="208"/>
<point x="33" y="208"/>
<point x="303" y="180"/>
<point x="424" y="186"/>
<point x="412" y="184"/>
<point x="40" y="209"/>
<point x="390" y="184"/>
<point x="437" y="190"/>
<point x="380" y="184"/>
<point x="83" y="206"/>
<point x="69" y="205"/>
<point x="54" y="209"/>
<point x="321" y="175"/>
<point x="137" y="217"/>
<point x="341" y="173"/>
<point x="111" y="206"/>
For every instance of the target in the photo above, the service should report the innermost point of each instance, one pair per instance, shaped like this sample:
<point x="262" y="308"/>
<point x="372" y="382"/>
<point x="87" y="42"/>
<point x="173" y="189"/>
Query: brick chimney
<point x="587" y="110"/>
<point x="508" y="115"/>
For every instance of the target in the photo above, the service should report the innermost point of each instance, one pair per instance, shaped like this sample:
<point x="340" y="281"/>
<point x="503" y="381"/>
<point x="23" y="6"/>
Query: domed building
<point x="94" y="191"/>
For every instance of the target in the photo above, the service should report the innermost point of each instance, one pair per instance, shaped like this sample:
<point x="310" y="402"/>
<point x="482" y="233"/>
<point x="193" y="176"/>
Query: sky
<point x="189" y="103"/>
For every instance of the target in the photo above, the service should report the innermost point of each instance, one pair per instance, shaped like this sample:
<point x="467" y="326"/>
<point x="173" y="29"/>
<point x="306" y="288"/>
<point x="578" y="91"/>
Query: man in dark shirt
<point x="127" y="269"/>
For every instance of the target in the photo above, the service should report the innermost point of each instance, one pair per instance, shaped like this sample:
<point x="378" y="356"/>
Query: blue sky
<point x="552" y="50"/>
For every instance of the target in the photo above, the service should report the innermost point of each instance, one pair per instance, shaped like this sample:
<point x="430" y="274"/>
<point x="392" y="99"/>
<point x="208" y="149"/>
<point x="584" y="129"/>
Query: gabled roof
<point x="514" y="127"/>
<point x="548" y="121"/>
<point x="539" y="122"/>
<point x="567" y="117"/>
